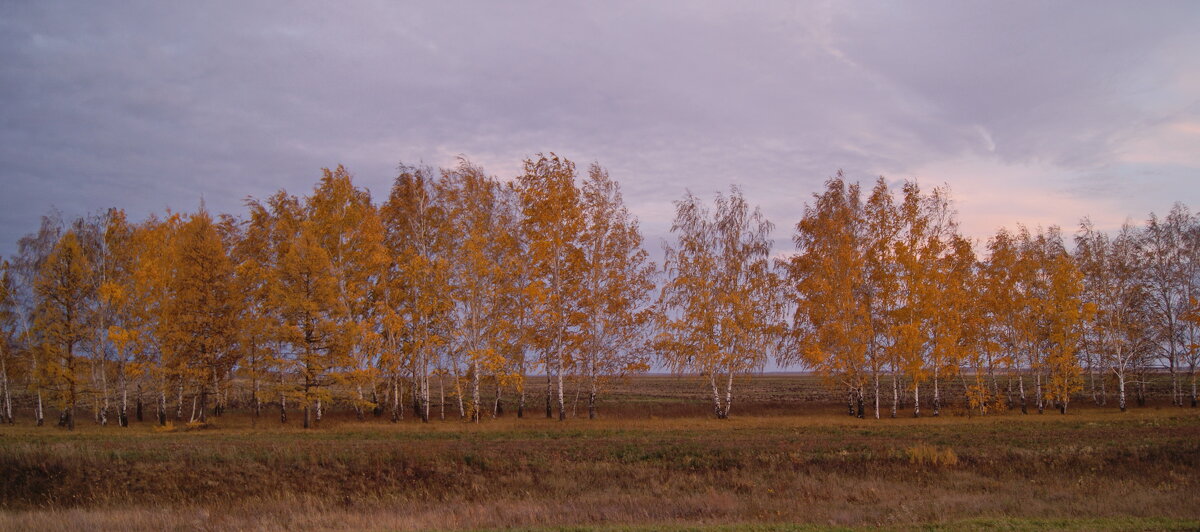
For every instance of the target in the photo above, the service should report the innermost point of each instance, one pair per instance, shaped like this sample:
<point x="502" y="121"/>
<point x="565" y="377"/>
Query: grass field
<point x="655" y="460"/>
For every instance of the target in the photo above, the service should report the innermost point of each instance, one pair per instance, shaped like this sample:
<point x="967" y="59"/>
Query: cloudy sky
<point x="1032" y="112"/>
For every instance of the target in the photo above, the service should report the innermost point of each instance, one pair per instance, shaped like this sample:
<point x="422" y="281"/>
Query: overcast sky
<point x="1032" y="112"/>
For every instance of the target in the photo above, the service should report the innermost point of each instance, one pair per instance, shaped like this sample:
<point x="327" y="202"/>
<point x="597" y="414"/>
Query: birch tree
<point x="417" y="281"/>
<point x="827" y="280"/>
<point x="719" y="312"/>
<point x="1065" y="313"/>
<point x="478" y="282"/>
<point x="1164" y="245"/>
<point x="1111" y="270"/>
<point x="8" y="341"/>
<point x="881" y="226"/>
<point x="553" y="221"/>
<point x="32" y="251"/>
<point x="120" y="309"/>
<point x="617" y="283"/>
<point x="348" y="228"/>
<point x="1191" y="322"/>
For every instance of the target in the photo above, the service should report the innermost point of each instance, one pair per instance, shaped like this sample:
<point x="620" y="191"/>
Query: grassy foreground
<point x="653" y="465"/>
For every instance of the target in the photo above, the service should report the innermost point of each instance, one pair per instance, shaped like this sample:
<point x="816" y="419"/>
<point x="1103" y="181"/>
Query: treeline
<point x="891" y="299"/>
<point x="459" y="286"/>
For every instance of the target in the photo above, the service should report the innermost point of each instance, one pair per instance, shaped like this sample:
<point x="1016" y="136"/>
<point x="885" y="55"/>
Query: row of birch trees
<point x="891" y="299"/>
<point x="459" y="291"/>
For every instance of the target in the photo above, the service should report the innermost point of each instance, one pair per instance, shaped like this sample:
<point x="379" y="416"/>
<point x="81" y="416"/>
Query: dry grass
<point x="1092" y="469"/>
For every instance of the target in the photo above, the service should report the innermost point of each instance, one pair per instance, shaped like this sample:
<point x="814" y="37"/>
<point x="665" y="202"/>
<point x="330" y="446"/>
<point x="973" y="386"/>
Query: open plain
<point x="788" y="459"/>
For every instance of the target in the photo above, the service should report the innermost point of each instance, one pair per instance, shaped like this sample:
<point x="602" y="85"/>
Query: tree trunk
<point x="307" y="405"/>
<point x="218" y="397"/>
<point x="1103" y="389"/>
<point x="7" y="414"/>
<point x="256" y="389"/>
<point x="378" y="410"/>
<point x="895" y="395"/>
<point x="425" y="394"/>
<point x="282" y="407"/>
<point x="498" y="407"/>
<point x="937" y="397"/>
<point x="592" y="399"/>
<point x="916" y="398"/>
<point x="861" y="410"/>
<point x="575" y="402"/>
<point x="1176" y="390"/>
<point x="104" y="394"/>
<point x="203" y="404"/>
<point x="161" y="407"/>
<point x="712" y="379"/>
<point x="876" y="395"/>
<point x="179" y="403"/>
<point x="1041" y="401"/>
<point x="1021" y="383"/>
<point x="39" y="413"/>
<point x="359" y="411"/>
<point x="397" y="410"/>
<point x="123" y="414"/>
<point x="562" y="413"/>
<point x="458" y="393"/>
<point x="138" y="402"/>
<point x="728" y="395"/>
<point x="476" y="406"/>
<point x="1121" y="390"/>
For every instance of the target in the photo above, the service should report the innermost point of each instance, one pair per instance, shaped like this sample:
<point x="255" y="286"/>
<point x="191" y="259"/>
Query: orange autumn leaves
<point x="459" y="287"/>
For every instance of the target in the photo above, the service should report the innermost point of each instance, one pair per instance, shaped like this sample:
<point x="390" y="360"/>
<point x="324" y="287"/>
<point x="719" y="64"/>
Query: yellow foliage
<point x="925" y="454"/>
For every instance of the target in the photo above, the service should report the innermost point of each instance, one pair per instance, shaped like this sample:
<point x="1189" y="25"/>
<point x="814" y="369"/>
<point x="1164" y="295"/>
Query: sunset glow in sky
<point x="1038" y="113"/>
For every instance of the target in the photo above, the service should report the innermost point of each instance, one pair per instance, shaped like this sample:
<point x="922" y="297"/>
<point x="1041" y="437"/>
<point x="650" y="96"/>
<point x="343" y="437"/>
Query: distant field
<point x="655" y="460"/>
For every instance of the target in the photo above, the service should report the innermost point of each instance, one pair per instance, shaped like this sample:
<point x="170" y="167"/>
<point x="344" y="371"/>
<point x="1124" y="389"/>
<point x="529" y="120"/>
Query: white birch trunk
<point x="1121" y="390"/>
<point x="476" y="407"/>
<point x="562" y="413"/>
<point x="1021" y="383"/>
<point x="728" y="396"/>
<point x="39" y="412"/>
<point x="937" y="398"/>
<point x="895" y="395"/>
<point x="916" y="398"/>
<point x="876" y="395"/>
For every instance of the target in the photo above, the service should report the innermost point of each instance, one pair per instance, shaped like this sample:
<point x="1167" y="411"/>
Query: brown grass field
<point x="789" y="459"/>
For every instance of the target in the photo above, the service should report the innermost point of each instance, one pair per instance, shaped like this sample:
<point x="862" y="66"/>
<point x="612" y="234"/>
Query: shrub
<point x="925" y="454"/>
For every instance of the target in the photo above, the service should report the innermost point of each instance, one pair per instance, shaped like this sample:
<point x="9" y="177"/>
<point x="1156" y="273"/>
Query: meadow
<point x="788" y="459"/>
